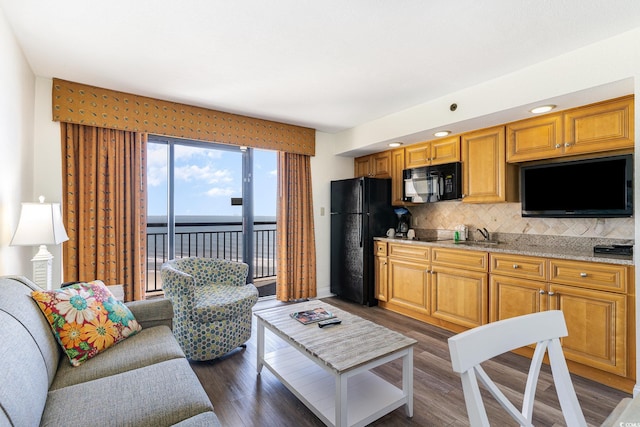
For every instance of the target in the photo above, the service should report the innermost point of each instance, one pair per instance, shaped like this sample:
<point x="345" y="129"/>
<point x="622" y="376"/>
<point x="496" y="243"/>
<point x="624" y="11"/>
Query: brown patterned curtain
<point x="104" y="206"/>
<point x="296" y="270"/>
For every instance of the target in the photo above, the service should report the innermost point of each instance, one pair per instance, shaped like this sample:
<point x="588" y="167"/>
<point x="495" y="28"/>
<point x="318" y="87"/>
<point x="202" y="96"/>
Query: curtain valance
<point x="90" y="105"/>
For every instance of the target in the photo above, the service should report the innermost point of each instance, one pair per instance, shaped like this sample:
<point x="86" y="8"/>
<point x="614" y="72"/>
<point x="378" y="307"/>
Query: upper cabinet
<point x="377" y="165"/>
<point x="435" y="152"/>
<point x="600" y="127"/>
<point x="486" y="177"/>
<point x="397" y="181"/>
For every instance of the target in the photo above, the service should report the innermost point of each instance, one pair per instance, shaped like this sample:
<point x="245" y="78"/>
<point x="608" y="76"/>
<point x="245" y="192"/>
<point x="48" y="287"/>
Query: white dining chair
<point x="469" y="349"/>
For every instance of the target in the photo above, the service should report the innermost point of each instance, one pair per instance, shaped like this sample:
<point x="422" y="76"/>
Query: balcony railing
<point x="210" y="240"/>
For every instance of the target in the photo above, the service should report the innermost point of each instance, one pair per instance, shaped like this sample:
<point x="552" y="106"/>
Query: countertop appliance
<point x="360" y="210"/>
<point x="433" y="183"/>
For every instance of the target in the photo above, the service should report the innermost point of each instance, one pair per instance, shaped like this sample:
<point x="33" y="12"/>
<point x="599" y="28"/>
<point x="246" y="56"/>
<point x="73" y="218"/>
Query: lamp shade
<point x="39" y="224"/>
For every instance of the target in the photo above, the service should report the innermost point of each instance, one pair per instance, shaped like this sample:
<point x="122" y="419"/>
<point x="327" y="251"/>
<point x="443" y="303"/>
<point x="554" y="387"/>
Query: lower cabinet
<point x="459" y="296"/>
<point x="593" y="300"/>
<point x="381" y="269"/>
<point x="409" y="277"/>
<point x="459" y="289"/>
<point x="459" y="286"/>
<point x="597" y="326"/>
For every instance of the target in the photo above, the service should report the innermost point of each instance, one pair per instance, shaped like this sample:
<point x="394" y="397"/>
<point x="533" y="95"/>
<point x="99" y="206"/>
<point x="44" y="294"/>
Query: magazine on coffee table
<point x="312" y="316"/>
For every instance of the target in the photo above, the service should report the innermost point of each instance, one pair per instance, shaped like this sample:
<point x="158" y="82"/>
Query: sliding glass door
<point x="201" y="203"/>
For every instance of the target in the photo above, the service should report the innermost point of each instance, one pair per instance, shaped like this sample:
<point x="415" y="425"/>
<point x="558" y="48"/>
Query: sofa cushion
<point x="161" y="394"/>
<point x="222" y="302"/>
<point x="149" y="346"/>
<point x="86" y="319"/>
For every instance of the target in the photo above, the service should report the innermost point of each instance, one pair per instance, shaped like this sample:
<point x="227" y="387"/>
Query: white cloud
<point x="218" y="191"/>
<point x="274" y="172"/>
<point x="206" y="174"/>
<point x="156" y="165"/>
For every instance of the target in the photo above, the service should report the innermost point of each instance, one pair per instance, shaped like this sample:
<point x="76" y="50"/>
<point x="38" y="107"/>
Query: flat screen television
<point x="592" y="188"/>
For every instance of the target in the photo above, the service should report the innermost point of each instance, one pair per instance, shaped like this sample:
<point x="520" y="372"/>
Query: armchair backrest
<point x="209" y="271"/>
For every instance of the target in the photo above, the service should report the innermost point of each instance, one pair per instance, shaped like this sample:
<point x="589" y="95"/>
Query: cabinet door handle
<point x="551" y="293"/>
<point x="583" y="274"/>
<point x="541" y="292"/>
<point x="558" y="145"/>
<point x="516" y="266"/>
<point x="568" y="144"/>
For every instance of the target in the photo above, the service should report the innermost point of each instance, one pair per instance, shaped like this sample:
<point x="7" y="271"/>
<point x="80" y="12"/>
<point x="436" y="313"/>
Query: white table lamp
<point x="40" y="224"/>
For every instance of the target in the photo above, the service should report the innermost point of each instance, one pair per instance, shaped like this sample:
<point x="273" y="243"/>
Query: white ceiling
<point x="324" y="64"/>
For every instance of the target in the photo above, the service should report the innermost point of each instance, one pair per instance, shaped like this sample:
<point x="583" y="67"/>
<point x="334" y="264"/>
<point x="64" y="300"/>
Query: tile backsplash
<point x="506" y="218"/>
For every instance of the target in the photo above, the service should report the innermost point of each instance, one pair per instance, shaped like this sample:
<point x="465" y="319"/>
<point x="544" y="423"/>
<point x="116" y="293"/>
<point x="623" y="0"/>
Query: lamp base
<point x="43" y="268"/>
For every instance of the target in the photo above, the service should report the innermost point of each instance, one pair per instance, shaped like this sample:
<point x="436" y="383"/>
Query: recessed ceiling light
<point x="442" y="133"/>
<point x="542" y="109"/>
<point x="395" y="144"/>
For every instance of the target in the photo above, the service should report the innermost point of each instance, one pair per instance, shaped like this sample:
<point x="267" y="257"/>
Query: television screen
<point x="590" y="188"/>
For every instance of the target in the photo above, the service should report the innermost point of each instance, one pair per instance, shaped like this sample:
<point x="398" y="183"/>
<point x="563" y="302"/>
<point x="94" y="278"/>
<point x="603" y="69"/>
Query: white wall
<point x="325" y="167"/>
<point x="47" y="161"/>
<point x="16" y="145"/>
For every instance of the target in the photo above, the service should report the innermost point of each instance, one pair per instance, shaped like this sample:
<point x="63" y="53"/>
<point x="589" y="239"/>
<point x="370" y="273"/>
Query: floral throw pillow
<point x="86" y="319"/>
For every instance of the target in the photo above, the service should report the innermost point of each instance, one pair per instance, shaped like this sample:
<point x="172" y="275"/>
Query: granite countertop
<point x="561" y="247"/>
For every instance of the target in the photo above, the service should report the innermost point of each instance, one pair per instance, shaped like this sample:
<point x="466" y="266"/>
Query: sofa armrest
<point x="152" y="312"/>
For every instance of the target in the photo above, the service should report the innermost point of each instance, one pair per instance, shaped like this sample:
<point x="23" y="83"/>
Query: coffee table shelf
<point x="368" y="396"/>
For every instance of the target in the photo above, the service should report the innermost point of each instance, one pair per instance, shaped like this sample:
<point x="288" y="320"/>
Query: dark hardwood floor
<point x="243" y="398"/>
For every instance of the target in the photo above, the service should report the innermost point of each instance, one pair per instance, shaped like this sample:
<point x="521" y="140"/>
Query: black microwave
<point x="433" y="183"/>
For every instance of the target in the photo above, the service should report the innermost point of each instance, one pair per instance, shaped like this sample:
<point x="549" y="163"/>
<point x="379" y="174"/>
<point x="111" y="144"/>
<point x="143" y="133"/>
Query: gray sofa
<point x="144" y="380"/>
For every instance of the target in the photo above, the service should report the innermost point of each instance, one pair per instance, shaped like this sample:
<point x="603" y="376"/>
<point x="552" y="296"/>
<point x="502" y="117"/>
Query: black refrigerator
<point x="360" y="210"/>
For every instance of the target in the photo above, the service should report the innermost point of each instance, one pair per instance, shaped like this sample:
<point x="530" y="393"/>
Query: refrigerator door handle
<point x="360" y="228"/>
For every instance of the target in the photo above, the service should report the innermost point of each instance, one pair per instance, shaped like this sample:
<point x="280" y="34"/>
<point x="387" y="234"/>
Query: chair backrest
<point x="469" y="349"/>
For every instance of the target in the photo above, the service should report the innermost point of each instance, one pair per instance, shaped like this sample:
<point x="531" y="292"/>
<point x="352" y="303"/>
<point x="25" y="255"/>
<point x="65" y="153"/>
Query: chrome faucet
<point x="484" y="232"/>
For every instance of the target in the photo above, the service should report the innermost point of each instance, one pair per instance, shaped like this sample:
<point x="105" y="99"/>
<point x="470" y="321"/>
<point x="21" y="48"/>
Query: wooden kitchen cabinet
<point x="436" y="152"/>
<point x="597" y="326"/>
<point x="517" y="285"/>
<point x="397" y="180"/>
<point x="362" y="166"/>
<point x="486" y="176"/>
<point x="606" y="277"/>
<point x="600" y="127"/>
<point x="377" y="165"/>
<point x="381" y="271"/>
<point x="592" y="296"/>
<point x="459" y="286"/>
<point x="514" y="296"/>
<point x="536" y="138"/>
<point x="408" y="279"/>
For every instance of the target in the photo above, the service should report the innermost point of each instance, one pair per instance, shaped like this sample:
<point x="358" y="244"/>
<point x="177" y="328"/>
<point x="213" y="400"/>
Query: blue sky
<point x="207" y="179"/>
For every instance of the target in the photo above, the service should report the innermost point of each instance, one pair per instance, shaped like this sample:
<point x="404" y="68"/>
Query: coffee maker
<point x="404" y="222"/>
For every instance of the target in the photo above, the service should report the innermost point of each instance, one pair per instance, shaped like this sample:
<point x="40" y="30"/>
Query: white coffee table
<point x="328" y="369"/>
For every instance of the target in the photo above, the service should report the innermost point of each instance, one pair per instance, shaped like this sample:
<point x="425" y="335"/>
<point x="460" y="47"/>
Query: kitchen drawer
<point x="380" y="248"/>
<point x="519" y="266"/>
<point x="409" y="251"/>
<point x="461" y="258"/>
<point x="607" y="277"/>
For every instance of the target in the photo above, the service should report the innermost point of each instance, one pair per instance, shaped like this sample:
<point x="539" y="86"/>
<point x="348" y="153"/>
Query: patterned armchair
<point x="212" y="304"/>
